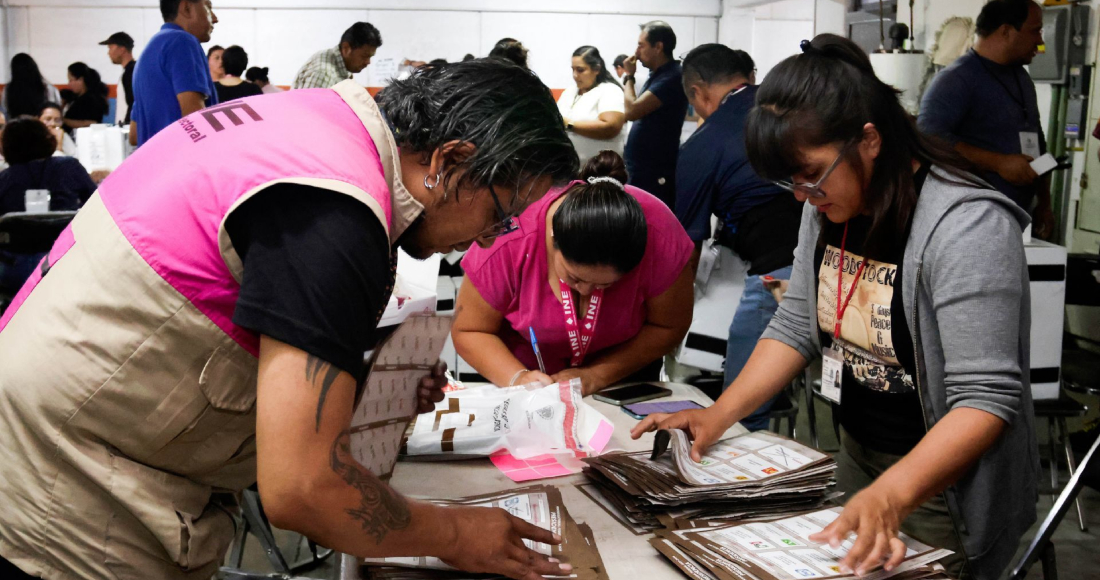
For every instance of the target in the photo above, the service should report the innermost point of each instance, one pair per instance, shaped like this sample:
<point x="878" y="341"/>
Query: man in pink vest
<point x="201" y="326"/>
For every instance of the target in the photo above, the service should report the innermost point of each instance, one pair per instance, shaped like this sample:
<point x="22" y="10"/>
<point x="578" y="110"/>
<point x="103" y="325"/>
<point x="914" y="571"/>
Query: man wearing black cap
<point x="120" y="49"/>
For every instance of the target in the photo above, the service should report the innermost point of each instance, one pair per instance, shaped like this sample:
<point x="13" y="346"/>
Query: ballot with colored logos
<point x="780" y="549"/>
<point x="753" y="475"/>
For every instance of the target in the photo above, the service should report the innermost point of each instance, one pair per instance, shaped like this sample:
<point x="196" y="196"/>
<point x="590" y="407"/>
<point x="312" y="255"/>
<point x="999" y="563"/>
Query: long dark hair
<point x="27" y="89"/>
<point x="826" y="95"/>
<point x="93" y="84"/>
<point x="600" y="224"/>
<point x="504" y="110"/>
<point x="591" y="57"/>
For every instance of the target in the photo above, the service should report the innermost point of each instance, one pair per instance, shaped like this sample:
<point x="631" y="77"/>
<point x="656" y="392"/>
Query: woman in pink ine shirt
<point x="597" y="270"/>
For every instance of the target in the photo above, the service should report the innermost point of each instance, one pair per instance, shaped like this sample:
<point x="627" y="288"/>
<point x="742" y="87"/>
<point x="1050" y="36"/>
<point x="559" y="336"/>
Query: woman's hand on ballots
<point x="704" y="425"/>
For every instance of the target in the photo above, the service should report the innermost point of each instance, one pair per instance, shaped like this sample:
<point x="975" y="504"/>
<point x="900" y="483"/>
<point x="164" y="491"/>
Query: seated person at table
<point x="28" y="145"/>
<point x="51" y="115"/>
<point x="616" y="257"/>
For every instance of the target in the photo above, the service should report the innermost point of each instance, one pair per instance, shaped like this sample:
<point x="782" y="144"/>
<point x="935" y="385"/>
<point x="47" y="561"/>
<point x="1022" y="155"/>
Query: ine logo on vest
<point x="229" y="110"/>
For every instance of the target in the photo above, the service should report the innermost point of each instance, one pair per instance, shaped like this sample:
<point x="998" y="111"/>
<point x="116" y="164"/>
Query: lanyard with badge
<point x="1029" y="140"/>
<point x="580" y="331"/>
<point x="832" y="363"/>
<point x="709" y="253"/>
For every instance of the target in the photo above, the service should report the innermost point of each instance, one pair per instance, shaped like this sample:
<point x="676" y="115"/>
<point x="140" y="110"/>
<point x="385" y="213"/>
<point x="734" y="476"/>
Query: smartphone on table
<point x="642" y="410"/>
<point x="627" y="394"/>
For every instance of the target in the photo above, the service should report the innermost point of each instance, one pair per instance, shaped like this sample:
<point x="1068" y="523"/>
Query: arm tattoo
<point x="314" y="368"/>
<point x="381" y="509"/>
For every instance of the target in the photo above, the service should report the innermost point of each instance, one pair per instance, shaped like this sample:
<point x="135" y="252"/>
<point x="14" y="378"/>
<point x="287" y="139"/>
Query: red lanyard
<point x="580" y="335"/>
<point x="841" y="307"/>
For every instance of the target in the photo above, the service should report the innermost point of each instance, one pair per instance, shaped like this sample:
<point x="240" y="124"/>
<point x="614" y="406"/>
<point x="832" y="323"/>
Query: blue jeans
<point x="749" y="322"/>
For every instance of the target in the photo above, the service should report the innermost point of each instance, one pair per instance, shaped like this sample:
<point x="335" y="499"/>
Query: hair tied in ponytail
<point x="606" y="179"/>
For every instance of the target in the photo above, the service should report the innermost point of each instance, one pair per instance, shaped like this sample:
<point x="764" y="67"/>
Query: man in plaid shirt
<point x="333" y="65"/>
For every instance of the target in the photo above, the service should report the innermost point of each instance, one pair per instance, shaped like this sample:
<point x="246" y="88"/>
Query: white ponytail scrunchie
<point x="595" y="180"/>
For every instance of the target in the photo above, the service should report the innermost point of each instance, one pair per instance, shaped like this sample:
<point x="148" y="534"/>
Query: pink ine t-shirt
<point x="512" y="276"/>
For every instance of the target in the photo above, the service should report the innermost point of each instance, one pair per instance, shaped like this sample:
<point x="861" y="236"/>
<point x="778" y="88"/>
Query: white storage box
<point x="704" y="347"/>
<point x="1046" y="265"/>
<point x="102" y="147"/>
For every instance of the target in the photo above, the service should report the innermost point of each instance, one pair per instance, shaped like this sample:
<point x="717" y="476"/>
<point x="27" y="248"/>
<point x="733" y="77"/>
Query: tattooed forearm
<point x="381" y="510"/>
<point x="316" y="367"/>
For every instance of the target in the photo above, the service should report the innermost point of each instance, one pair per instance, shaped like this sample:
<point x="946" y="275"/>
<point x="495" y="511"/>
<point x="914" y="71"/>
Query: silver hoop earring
<point x="431" y="186"/>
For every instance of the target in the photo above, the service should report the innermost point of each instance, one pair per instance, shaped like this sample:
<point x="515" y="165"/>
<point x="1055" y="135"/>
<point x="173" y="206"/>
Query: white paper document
<point x="1044" y="164"/>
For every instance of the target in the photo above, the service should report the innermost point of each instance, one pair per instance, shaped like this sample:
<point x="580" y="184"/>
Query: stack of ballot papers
<point x="781" y="550"/>
<point x="538" y="505"/>
<point x="750" y="476"/>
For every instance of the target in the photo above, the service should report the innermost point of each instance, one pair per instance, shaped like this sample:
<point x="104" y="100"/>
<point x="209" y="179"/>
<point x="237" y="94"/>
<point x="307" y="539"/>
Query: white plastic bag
<point x="525" y="421"/>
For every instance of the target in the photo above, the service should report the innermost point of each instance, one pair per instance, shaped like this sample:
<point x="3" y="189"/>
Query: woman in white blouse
<point x="593" y="109"/>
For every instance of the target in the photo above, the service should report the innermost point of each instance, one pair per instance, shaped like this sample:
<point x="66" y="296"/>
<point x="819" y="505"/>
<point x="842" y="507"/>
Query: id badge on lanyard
<point x="832" y="369"/>
<point x="1029" y="144"/>
<point x="832" y="363"/>
<point x="708" y="263"/>
<point x="580" y="331"/>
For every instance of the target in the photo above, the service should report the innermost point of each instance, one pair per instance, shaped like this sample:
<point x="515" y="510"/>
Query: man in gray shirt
<point x="984" y="104"/>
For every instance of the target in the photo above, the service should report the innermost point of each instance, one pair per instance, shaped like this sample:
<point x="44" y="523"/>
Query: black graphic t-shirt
<point x="880" y="406"/>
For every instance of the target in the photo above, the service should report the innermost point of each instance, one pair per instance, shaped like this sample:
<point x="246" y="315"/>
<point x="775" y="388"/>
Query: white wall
<point x="284" y="33"/>
<point x="778" y="28"/>
<point x="768" y="31"/>
<point x="829" y="16"/>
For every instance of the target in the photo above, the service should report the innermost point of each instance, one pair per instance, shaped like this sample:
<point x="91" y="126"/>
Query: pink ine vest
<point x="127" y="394"/>
<point x="173" y="217"/>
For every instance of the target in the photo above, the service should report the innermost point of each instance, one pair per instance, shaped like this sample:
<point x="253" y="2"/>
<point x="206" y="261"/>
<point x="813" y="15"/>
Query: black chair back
<point x="32" y="233"/>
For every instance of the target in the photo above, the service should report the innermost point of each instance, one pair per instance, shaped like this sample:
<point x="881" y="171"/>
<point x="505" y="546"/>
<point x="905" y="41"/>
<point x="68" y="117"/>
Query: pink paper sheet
<point x="538" y="467"/>
<point x="547" y="466"/>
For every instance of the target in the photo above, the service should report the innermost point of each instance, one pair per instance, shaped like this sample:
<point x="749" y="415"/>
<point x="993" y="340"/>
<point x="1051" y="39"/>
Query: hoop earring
<point x="432" y="186"/>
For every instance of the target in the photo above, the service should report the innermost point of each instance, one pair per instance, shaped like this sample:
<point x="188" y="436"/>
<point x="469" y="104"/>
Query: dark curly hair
<point x="502" y="109"/>
<point x="26" y="139"/>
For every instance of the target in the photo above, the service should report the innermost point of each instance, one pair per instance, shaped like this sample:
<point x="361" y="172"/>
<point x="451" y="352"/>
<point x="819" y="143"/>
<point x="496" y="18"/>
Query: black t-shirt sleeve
<point x="317" y="271"/>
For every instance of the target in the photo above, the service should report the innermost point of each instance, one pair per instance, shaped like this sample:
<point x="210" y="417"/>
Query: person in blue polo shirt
<point x="658" y="113"/>
<point x="172" y="79"/>
<point x="984" y="105"/>
<point x="757" y="219"/>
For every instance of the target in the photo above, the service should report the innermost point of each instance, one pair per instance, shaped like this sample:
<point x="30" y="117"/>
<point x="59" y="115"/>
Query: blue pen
<point x="535" y="345"/>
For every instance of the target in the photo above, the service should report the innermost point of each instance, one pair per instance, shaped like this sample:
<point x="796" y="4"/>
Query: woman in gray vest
<point x="910" y="282"/>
